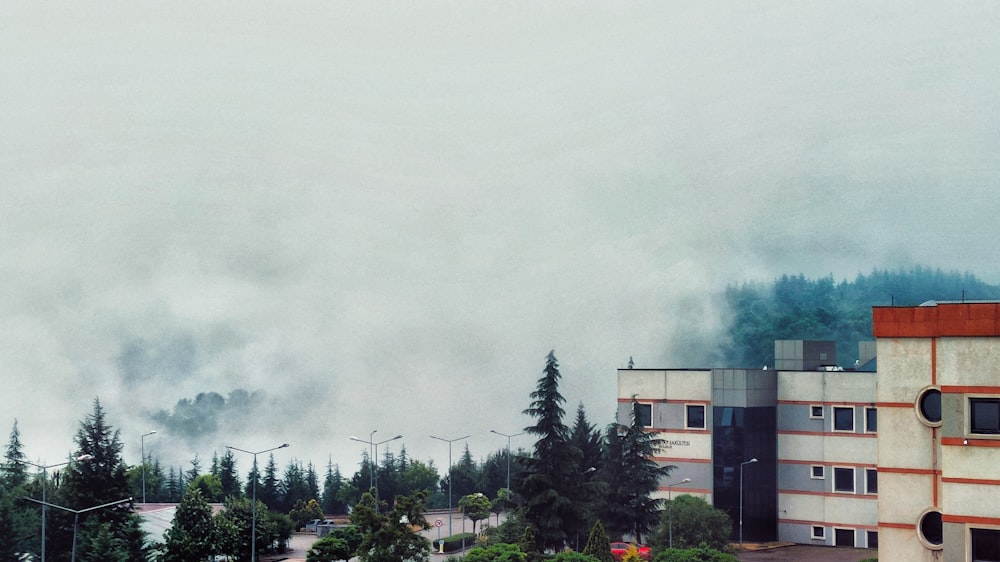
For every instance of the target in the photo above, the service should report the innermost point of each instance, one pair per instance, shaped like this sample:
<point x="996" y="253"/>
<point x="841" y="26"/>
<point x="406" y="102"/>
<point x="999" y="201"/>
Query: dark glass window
<point x="871" y="420"/>
<point x="930" y="405"/>
<point x="843" y="537"/>
<point x="818" y="532"/>
<point x="644" y="412"/>
<point x="930" y="527"/>
<point x="984" y="414"/>
<point x="843" y="480"/>
<point x="696" y="417"/>
<point x="816" y="412"/>
<point x="872" y="539"/>
<point x="817" y="471"/>
<point x="871" y="481"/>
<point x="843" y="419"/>
<point x="985" y="545"/>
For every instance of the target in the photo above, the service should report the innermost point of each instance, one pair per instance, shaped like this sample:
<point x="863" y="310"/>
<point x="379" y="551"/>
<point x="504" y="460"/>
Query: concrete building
<point x="906" y="460"/>
<point x="938" y="455"/>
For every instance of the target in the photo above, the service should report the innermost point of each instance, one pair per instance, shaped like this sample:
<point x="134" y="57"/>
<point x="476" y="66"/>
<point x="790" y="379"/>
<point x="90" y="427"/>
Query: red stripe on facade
<point x="824" y="462"/>
<point x="903" y="470"/>
<point x="829" y="494"/>
<point x="907" y="526"/>
<point x="818" y="402"/>
<point x="981" y="389"/>
<point x="982" y="481"/>
<point x="827" y="524"/>
<point x="934" y="364"/>
<point x="662" y="401"/>
<point x="951" y="518"/>
<point x="894" y="404"/>
<point x="827" y="433"/>
<point x="970" y="442"/>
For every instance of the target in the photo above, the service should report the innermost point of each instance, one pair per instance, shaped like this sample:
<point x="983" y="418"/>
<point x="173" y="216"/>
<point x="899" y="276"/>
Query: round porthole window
<point x="930" y="530"/>
<point x="929" y="406"/>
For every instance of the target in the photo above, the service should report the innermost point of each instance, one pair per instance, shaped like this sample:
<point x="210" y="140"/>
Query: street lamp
<point x="142" y="451"/>
<point x="753" y="460"/>
<point x="373" y="480"/>
<point x="449" y="442"/>
<point x="670" y="499"/>
<point x="508" y="452"/>
<point x="76" y="517"/>
<point x="44" y="469"/>
<point x="253" y="524"/>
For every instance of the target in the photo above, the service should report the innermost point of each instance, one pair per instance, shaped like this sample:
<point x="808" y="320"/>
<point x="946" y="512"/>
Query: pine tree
<point x="270" y="491"/>
<point x="14" y="471"/>
<point x="548" y="477"/>
<point x="332" y="485"/>
<point x="598" y="544"/>
<point x="228" y="476"/>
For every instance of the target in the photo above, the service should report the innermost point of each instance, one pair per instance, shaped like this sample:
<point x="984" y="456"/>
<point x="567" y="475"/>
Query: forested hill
<point x="794" y="307"/>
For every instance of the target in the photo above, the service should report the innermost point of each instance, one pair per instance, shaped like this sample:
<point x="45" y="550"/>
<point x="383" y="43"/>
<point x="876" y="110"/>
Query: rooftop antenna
<point x="630" y="362"/>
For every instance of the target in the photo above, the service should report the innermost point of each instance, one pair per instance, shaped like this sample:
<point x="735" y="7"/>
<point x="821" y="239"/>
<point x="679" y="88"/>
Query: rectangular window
<point x="871" y="420"/>
<point x="871" y="481"/>
<point x="984" y="415"/>
<point x="816" y="412"/>
<point x="872" y="537"/>
<point x="645" y="414"/>
<point x="843" y="480"/>
<point x="843" y="418"/>
<point x="695" y="416"/>
<point x="818" y="532"/>
<point x="817" y="472"/>
<point x="843" y="537"/>
<point x="985" y="545"/>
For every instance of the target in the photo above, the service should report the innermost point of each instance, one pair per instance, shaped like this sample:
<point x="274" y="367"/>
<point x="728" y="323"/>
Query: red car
<point x="618" y="550"/>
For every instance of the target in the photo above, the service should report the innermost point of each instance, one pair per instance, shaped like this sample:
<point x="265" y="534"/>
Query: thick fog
<point x="328" y="218"/>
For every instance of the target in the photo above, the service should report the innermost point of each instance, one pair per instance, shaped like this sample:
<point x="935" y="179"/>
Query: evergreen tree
<point x="172" y="490"/>
<point x="195" y="470"/>
<point x="392" y="536"/>
<point x="598" y="544"/>
<point x="642" y="475"/>
<point x="591" y="491"/>
<point x="14" y="471"/>
<point x="547" y="477"/>
<point x="100" y="480"/>
<point x="332" y="485"/>
<point x="228" y="476"/>
<point x="312" y="482"/>
<point x="191" y="535"/>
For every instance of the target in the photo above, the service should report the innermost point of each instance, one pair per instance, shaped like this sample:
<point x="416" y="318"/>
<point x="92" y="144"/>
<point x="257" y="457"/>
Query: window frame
<point x="822" y="532"/>
<point x="871" y="414"/>
<point x="868" y="538"/>
<point x="854" y="480"/>
<point x="812" y="411"/>
<point x="833" y="419"/>
<point x="868" y="490"/>
<point x="972" y="538"/>
<point x="982" y="399"/>
<point x="854" y="534"/>
<point x="687" y="417"/>
<point x="646" y="405"/>
<point x="812" y="472"/>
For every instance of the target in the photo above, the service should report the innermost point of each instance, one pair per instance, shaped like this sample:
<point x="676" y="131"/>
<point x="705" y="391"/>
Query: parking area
<point x="798" y="552"/>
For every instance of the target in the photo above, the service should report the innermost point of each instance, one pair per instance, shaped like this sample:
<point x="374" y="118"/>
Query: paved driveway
<point x="811" y="553"/>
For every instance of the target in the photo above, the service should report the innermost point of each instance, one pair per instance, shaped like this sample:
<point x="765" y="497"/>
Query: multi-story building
<point x="906" y="459"/>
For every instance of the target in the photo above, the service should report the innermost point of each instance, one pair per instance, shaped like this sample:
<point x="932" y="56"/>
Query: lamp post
<point x="449" y="442"/>
<point x="253" y="524"/>
<point x="44" y="469"/>
<point x="142" y="451"/>
<point x="742" y="464"/>
<point x="373" y="477"/>
<point x="508" y="451"/>
<point x="76" y="516"/>
<point x="670" y="499"/>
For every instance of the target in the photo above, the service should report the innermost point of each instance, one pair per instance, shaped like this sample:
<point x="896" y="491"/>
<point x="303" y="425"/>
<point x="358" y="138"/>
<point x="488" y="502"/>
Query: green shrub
<point x="571" y="556"/>
<point x="454" y="542"/>
<point x="700" y="554"/>
<point x="496" y="553"/>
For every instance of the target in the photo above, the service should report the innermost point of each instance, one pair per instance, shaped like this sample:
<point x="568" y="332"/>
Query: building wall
<point x="808" y="442"/>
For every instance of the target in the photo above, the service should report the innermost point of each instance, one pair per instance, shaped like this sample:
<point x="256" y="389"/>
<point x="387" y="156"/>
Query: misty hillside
<point x="793" y="307"/>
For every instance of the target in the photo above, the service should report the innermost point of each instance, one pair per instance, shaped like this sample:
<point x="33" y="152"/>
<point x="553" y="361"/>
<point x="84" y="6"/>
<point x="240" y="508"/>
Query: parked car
<point x="618" y="550"/>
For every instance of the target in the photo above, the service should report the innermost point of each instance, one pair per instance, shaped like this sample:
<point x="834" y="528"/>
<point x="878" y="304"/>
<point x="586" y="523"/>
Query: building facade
<point x="906" y="460"/>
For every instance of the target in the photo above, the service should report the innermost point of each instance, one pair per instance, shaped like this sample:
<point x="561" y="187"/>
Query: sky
<point x="328" y="218"/>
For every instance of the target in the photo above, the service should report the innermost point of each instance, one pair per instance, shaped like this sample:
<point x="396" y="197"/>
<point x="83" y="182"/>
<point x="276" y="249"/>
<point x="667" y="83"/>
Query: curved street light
<point x="373" y="476"/>
<point x="508" y="452"/>
<point x="742" y="464"/>
<point x="253" y="524"/>
<point x="44" y="469"/>
<point x="449" y="442"/>
<point x="670" y="499"/>
<point x="142" y="451"/>
<point x="76" y="516"/>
